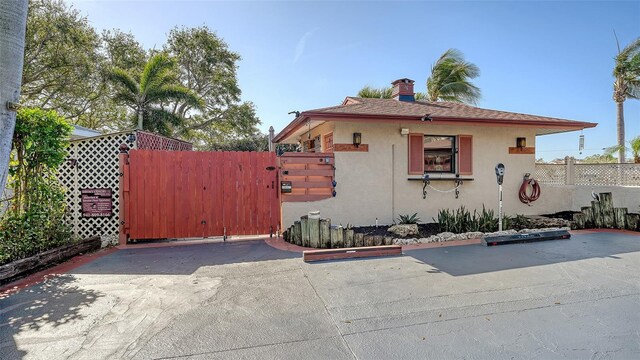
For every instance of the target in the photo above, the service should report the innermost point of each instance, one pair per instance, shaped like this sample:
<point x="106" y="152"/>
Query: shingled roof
<point x="450" y="112"/>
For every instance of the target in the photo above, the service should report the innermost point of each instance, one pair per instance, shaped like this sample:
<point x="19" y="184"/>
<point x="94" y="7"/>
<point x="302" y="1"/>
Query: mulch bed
<point x="425" y="230"/>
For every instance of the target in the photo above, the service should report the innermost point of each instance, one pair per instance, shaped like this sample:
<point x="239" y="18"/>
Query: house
<point x="379" y="150"/>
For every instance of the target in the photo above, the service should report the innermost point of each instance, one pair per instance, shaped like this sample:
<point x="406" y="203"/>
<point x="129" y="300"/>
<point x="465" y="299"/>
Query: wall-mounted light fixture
<point x="404" y="131"/>
<point x="357" y="139"/>
<point x="521" y="142"/>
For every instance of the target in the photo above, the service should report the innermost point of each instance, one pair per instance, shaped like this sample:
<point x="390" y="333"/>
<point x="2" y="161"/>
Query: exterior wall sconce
<point x="404" y="131"/>
<point x="521" y="142"/>
<point x="357" y="139"/>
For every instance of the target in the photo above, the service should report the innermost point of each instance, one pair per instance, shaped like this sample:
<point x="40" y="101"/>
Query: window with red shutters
<point x="425" y="155"/>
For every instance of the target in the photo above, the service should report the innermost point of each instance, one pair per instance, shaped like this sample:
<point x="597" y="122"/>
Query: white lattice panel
<point x="93" y="163"/>
<point x="607" y="174"/>
<point x="550" y="174"/>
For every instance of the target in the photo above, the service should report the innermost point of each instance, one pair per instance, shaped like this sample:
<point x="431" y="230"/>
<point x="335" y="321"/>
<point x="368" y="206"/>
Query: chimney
<point x="403" y="90"/>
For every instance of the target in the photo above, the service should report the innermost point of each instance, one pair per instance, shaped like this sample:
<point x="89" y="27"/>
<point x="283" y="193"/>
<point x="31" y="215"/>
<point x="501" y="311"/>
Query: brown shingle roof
<point x="448" y="110"/>
<point x="354" y="107"/>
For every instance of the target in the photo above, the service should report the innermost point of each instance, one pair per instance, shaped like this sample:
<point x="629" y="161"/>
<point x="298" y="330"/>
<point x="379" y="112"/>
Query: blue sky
<point x="545" y="58"/>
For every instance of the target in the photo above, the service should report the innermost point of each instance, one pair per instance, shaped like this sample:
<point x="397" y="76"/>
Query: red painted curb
<point x="36" y="278"/>
<point x="618" y="231"/>
<point x="351" y="253"/>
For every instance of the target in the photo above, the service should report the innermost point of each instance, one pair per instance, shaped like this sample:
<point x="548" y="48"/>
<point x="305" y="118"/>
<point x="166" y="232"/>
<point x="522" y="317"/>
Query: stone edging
<point x="449" y="236"/>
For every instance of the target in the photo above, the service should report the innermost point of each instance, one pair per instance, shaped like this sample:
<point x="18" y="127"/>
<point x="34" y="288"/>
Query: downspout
<point x="393" y="183"/>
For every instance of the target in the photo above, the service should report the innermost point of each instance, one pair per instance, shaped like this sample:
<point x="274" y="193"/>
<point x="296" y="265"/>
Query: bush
<point x="35" y="219"/>
<point x="408" y="219"/>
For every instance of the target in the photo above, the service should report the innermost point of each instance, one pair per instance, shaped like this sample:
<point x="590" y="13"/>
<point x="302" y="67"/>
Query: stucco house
<point x="379" y="149"/>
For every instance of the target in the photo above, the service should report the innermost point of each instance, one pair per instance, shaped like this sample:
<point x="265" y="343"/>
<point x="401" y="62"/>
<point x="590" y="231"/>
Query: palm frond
<point x="375" y="93"/>
<point x="175" y="93"/>
<point x="121" y="77"/>
<point x="158" y="65"/>
<point x="450" y="79"/>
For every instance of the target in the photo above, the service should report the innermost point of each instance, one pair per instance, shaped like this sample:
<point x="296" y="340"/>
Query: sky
<point x="551" y="58"/>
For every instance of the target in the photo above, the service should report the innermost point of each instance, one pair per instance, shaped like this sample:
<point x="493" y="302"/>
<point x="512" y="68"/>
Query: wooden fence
<point x="182" y="194"/>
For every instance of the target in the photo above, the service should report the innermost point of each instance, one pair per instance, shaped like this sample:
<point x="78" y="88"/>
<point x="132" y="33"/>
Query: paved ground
<point x="577" y="298"/>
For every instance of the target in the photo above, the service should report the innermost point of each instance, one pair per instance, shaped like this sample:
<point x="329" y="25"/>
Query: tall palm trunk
<point x="140" y="118"/>
<point x="620" y="125"/>
<point x="13" y="23"/>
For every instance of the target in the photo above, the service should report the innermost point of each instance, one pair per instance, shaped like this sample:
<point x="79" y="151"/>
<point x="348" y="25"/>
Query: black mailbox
<point x="285" y="186"/>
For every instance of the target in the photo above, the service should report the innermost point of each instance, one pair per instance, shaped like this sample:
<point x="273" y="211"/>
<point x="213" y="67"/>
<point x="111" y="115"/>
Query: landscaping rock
<point x="404" y="230"/>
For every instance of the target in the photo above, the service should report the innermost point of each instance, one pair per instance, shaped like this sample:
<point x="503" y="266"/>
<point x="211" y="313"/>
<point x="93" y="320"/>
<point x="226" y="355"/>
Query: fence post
<point x="569" y="170"/>
<point x="123" y="194"/>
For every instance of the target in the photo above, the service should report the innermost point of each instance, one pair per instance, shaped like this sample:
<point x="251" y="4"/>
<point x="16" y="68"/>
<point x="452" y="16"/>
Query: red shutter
<point x="465" y="154"/>
<point x="416" y="154"/>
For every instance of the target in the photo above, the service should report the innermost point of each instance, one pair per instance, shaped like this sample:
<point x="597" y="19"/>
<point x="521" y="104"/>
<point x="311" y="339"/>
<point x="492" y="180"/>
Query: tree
<point x="598" y="159"/>
<point x="450" y="79"/>
<point x="13" y="17"/>
<point x="149" y="93"/>
<point x="61" y="60"/>
<point x="634" y="147"/>
<point x="208" y="68"/>
<point x="625" y="86"/>
<point x="375" y="93"/>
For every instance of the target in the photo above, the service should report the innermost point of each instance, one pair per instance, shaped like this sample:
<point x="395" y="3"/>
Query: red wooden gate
<point x="182" y="194"/>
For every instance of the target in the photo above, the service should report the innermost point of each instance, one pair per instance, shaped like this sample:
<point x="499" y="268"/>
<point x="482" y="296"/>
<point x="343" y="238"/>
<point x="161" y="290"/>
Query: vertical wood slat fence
<point x="168" y="194"/>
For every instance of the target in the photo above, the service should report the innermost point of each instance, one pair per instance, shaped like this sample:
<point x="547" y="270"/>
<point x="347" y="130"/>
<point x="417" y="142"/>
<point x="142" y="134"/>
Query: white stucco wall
<point x="555" y="198"/>
<point x="374" y="184"/>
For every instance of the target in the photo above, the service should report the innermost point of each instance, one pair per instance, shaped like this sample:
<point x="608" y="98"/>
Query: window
<point x="439" y="153"/>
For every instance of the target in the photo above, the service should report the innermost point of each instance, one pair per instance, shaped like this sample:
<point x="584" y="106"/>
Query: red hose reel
<point x="529" y="190"/>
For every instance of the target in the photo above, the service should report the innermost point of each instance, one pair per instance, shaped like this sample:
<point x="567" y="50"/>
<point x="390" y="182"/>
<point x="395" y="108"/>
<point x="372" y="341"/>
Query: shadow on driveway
<point x="184" y="259"/>
<point x="48" y="305"/>
<point x="477" y="259"/>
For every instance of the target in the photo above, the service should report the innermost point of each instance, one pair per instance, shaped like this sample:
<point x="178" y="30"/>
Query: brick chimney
<point x="403" y="90"/>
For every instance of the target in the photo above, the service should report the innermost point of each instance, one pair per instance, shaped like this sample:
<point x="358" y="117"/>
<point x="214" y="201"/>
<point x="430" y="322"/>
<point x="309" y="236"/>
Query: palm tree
<point x="450" y="79"/>
<point x="13" y="17"/>
<point x="149" y="93"/>
<point x="383" y="93"/>
<point x="626" y="85"/>
<point x="634" y="147"/>
<point x="375" y="93"/>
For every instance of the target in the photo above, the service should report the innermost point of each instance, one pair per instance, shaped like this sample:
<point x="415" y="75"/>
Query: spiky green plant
<point x="408" y="219"/>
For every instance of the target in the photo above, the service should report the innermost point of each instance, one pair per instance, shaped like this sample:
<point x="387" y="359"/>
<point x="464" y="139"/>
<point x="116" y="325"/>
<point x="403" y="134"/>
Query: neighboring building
<point x="382" y="148"/>
<point x="81" y="132"/>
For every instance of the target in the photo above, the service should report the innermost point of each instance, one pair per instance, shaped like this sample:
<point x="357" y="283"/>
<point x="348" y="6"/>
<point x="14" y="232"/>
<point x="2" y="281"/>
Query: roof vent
<point x="403" y="90"/>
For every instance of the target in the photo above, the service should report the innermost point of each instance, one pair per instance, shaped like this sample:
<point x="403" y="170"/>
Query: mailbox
<point x="285" y="187"/>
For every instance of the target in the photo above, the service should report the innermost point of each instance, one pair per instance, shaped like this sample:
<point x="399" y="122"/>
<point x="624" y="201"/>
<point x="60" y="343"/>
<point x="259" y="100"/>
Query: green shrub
<point x="409" y="219"/>
<point x="461" y="220"/>
<point x="35" y="218"/>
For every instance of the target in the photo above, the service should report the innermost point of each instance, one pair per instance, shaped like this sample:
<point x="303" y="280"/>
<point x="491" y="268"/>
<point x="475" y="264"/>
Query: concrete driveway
<point x="577" y="299"/>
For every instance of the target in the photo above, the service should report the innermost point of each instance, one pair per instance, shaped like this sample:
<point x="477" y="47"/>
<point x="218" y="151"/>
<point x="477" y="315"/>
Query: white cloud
<point x="302" y="43"/>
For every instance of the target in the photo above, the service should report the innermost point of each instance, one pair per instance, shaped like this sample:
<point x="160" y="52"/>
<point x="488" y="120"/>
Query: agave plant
<point x="408" y="219"/>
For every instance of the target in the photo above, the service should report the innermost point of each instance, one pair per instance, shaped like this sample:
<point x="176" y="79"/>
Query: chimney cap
<point x="403" y="80"/>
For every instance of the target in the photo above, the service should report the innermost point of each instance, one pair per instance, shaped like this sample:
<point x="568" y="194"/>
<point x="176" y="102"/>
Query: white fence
<point x="588" y="174"/>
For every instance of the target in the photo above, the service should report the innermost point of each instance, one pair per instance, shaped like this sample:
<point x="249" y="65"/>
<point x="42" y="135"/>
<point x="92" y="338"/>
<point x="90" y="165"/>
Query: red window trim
<point x="413" y="171"/>
<point x="470" y="155"/>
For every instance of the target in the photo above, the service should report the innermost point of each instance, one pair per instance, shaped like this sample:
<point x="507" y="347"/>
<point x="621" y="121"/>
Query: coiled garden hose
<point x="528" y="196"/>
